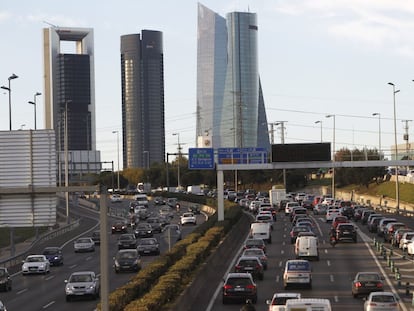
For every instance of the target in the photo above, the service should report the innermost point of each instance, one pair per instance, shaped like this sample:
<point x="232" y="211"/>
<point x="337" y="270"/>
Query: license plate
<point x="239" y="289"/>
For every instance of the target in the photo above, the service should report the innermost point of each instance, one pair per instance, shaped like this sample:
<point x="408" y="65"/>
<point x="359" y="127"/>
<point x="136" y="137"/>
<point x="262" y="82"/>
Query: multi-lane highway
<point x="332" y="274"/>
<point x="46" y="292"/>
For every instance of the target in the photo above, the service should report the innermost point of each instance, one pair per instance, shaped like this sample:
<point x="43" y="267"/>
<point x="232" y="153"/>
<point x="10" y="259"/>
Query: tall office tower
<point x="142" y="70"/>
<point x="69" y="94"/>
<point x="230" y="105"/>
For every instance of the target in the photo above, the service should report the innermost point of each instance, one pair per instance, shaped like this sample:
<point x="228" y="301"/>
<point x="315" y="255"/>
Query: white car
<point x="378" y="301"/>
<point x="116" y="198"/>
<point x="84" y="245"/>
<point x="188" y="218"/>
<point x="331" y="213"/>
<point x="83" y="283"/>
<point x="407" y="238"/>
<point x="35" y="264"/>
<point x="278" y="301"/>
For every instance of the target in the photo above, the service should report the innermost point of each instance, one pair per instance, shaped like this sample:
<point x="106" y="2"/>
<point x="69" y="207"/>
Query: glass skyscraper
<point x="142" y="70"/>
<point x="230" y="105"/>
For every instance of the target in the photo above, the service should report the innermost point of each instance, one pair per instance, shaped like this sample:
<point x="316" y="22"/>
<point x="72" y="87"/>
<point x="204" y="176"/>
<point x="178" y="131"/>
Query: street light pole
<point x="320" y="122"/>
<point x="13" y="76"/>
<point x="178" y="161"/>
<point x="117" y="140"/>
<point x="333" y="154"/>
<point x="66" y="161"/>
<point x="397" y="186"/>
<point x="379" y="133"/>
<point x="34" y="105"/>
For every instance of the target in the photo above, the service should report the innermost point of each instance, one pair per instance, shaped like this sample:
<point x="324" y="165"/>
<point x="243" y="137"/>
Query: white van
<point x="261" y="230"/>
<point x="306" y="247"/>
<point x="308" y="304"/>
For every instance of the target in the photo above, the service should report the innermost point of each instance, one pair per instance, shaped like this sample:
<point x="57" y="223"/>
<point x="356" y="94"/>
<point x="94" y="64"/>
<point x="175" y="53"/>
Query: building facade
<point x="142" y="75"/>
<point x="69" y="94"/>
<point x="230" y="105"/>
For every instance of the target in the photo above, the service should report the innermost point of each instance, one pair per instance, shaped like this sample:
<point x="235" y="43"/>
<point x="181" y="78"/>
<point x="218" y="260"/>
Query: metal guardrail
<point x="17" y="259"/>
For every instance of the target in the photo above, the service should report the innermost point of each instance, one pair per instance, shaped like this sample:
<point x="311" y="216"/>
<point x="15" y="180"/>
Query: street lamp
<point x="178" y="161"/>
<point x="13" y="76"/>
<point x="67" y="160"/>
<point x="333" y="154"/>
<point x="379" y="133"/>
<point x="34" y="105"/>
<point x="117" y="140"/>
<point x="320" y="122"/>
<point x="397" y="186"/>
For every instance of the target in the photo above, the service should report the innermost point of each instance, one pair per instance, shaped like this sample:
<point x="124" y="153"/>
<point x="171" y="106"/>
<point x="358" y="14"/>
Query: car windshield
<point x="383" y="298"/>
<point x="81" y="278"/>
<point x="298" y="266"/>
<point x="127" y="255"/>
<point x="280" y="301"/>
<point x="254" y="242"/>
<point x="147" y="242"/>
<point x="34" y="259"/>
<point x="83" y="241"/>
<point x="2" y="273"/>
<point x="253" y="252"/>
<point x="126" y="237"/>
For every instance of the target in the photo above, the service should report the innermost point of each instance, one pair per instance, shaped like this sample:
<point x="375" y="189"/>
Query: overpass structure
<point x="294" y="165"/>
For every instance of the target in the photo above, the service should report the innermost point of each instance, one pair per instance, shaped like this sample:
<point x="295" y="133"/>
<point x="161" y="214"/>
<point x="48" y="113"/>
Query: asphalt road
<point x="46" y="292"/>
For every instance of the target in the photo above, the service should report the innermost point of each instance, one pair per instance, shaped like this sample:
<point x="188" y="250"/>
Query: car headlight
<point x="92" y="286"/>
<point x="42" y="265"/>
<point x="116" y="263"/>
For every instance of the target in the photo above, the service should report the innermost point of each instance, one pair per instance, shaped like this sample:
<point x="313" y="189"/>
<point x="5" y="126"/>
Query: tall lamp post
<point x="117" y="143"/>
<point x="320" y="122"/>
<point x="333" y="154"/>
<point x="13" y="76"/>
<point x="34" y="105"/>
<point x="397" y="186"/>
<point x="178" y="161"/>
<point x="379" y="133"/>
<point x="67" y="160"/>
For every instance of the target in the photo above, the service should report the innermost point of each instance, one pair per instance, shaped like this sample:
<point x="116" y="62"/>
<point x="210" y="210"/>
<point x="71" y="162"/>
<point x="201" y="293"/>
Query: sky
<point x="316" y="58"/>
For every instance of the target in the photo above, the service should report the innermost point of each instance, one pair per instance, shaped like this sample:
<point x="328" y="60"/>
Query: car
<point x="148" y="246"/>
<point x="331" y="213"/>
<point x="320" y="209"/>
<point x="84" y="245"/>
<point x="127" y="260"/>
<point x="35" y="264"/>
<point x="195" y="209"/>
<point x="365" y="283"/>
<point x="339" y="220"/>
<point x="297" y="272"/>
<point x="365" y="215"/>
<point x="127" y="240"/>
<point x="54" y="254"/>
<point x="346" y="231"/>
<point x="82" y="284"/>
<point x="398" y="234"/>
<point x="406" y="239"/>
<point x="347" y="211"/>
<point x="289" y="207"/>
<point x="250" y="264"/>
<point x="5" y="279"/>
<point x="116" y="198"/>
<point x="259" y="253"/>
<point x="172" y="231"/>
<point x="143" y="230"/>
<point x="188" y="218"/>
<point x="255" y="243"/>
<point x="380" y="301"/>
<point x="159" y="201"/>
<point x="373" y="223"/>
<point x="166" y="211"/>
<point x="382" y="224"/>
<point x="155" y="223"/>
<point x="119" y="227"/>
<point x="278" y="301"/>
<point x="265" y="217"/>
<point x="295" y="231"/>
<point x="171" y="202"/>
<point x="390" y="229"/>
<point x="96" y="237"/>
<point x="239" y="287"/>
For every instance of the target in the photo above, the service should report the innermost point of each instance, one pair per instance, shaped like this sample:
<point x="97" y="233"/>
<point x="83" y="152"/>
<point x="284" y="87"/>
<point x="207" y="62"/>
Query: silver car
<point x="82" y="284"/>
<point x="35" y="264"/>
<point x="84" y="245"/>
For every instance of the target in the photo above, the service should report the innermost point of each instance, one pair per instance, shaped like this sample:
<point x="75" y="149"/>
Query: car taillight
<point x="227" y="286"/>
<point x="372" y="304"/>
<point x="379" y="285"/>
<point x="358" y="284"/>
<point x="250" y="286"/>
<point x="237" y="267"/>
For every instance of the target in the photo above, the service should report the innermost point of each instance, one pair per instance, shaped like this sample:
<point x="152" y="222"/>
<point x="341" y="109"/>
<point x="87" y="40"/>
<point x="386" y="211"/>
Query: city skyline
<point x="315" y="59"/>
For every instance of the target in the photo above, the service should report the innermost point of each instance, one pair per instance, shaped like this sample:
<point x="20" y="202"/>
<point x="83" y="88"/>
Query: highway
<point x="332" y="274"/>
<point x="46" y="292"/>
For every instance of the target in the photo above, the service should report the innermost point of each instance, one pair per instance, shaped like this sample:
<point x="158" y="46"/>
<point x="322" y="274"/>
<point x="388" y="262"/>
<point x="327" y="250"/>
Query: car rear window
<point x="298" y="266"/>
<point x="368" y="277"/>
<point x="383" y="298"/>
<point x="238" y="281"/>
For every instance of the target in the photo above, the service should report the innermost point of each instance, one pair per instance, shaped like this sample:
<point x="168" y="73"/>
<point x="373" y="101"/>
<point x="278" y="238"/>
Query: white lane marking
<point x="89" y="258"/>
<point x="280" y="263"/>
<point x="49" y="304"/>
<point x="21" y="291"/>
<point x="277" y="278"/>
<point x="332" y="278"/>
<point x="73" y="266"/>
<point x="328" y="262"/>
<point x="49" y="277"/>
<point x="336" y="298"/>
<point x="282" y="252"/>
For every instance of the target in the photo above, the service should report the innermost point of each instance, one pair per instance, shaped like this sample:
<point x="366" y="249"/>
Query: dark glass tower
<point x="142" y="73"/>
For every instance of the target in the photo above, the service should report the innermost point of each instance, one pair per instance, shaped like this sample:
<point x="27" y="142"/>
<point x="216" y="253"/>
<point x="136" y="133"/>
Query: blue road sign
<point x="242" y="156"/>
<point x="201" y="158"/>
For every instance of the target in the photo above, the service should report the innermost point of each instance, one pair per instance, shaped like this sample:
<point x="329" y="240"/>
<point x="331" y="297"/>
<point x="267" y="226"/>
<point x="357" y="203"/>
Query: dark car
<point x="54" y="255"/>
<point x="127" y="260"/>
<point x="127" y="240"/>
<point x="257" y="243"/>
<point x="390" y="229"/>
<point x="367" y="282"/>
<point x="250" y="264"/>
<point x="159" y="201"/>
<point x="5" y="279"/>
<point x="239" y="287"/>
<point x="148" y="246"/>
<point x="119" y="227"/>
<point x="373" y="223"/>
<point x="143" y="230"/>
<point x="96" y="237"/>
<point x="195" y="209"/>
<point x="155" y="223"/>
<point x="307" y="204"/>
<point x="347" y="211"/>
<point x="346" y="231"/>
<point x="295" y="231"/>
<point x="259" y="253"/>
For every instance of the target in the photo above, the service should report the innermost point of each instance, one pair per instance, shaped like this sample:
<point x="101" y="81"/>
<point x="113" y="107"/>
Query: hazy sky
<point x="316" y="57"/>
